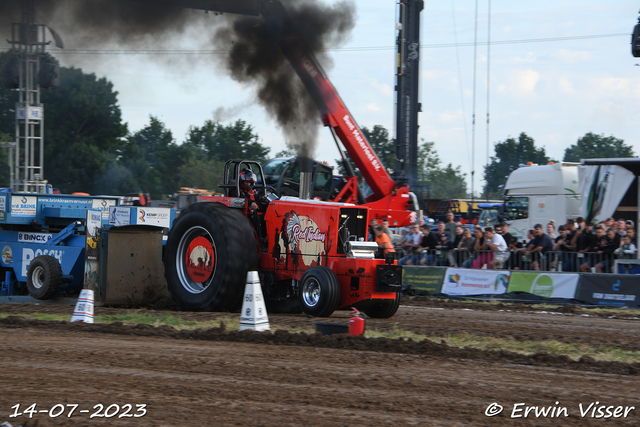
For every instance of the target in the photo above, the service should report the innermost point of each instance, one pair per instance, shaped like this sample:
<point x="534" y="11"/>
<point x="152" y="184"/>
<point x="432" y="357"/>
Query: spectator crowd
<point x="574" y="246"/>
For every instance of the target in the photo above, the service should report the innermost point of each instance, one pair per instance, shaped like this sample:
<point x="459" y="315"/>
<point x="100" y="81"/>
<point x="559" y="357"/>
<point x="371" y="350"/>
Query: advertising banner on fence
<point x="462" y="281"/>
<point x="548" y="285"/>
<point x="609" y="289"/>
<point x="423" y="279"/>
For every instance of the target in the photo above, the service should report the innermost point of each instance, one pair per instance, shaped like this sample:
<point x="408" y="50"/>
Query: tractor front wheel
<point x="319" y="292"/>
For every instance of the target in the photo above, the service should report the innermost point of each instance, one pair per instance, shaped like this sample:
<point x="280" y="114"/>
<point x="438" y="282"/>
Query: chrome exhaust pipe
<point x="306" y="172"/>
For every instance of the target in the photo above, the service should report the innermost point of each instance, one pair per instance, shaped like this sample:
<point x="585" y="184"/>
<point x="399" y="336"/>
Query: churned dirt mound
<point x="338" y="341"/>
<point x="112" y="374"/>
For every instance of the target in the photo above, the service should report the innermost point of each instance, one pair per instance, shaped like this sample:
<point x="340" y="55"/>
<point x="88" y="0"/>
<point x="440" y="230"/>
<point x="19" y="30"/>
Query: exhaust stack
<point x="306" y="172"/>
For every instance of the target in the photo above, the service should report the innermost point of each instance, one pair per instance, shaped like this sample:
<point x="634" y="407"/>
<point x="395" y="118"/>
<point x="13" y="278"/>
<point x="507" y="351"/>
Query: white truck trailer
<point x="538" y="193"/>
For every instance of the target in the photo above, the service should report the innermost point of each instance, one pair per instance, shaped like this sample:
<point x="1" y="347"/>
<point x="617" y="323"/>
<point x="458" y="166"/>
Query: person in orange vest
<point x="383" y="241"/>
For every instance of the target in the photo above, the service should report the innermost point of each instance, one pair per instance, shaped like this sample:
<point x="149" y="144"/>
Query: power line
<point x="343" y="49"/>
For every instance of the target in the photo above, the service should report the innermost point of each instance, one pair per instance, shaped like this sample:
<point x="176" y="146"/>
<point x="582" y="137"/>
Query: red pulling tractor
<point x="314" y="256"/>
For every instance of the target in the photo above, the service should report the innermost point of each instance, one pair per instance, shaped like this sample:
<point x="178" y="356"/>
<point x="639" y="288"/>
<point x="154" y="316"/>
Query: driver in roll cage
<point x="247" y="190"/>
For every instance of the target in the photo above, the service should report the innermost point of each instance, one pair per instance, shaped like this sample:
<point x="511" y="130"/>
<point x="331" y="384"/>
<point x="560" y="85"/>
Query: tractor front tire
<point x="319" y="292"/>
<point x="44" y="277"/>
<point x="383" y="309"/>
<point x="209" y="251"/>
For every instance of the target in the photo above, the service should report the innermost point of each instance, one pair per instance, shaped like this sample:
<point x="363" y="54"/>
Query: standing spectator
<point x="481" y="257"/>
<point x="372" y="224"/>
<point x="427" y="246"/>
<point x="551" y="229"/>
<point x="465" y="248"/>
<point x="444" y="243"/>
<point x="621" y="227"/>
<point x="629" y="223"/>
<point x="383" y="241"/>
<point x="496" y="243"/>
<point x="561" y="245"/>
<point x="453" y="254"/>
<point x="627" y="250"/>
<point x="609" y="222"/>
<point x="631" y="232"/>
<point x="580" y="241"/>
<point x="409" y="245"/>
<point x="538" y="247"/>
<point x="524" y="261"/>
<point x="606" y="242"/>
<point x="512" y="243"/>
<point x="385" y="228"/>
<point x="450" y="225"/>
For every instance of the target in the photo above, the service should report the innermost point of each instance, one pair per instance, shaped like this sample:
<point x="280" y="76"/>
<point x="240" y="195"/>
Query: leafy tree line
<point x="89" y="149"/>
<point x="434" y="179"/>
<point x="512" y="152"/>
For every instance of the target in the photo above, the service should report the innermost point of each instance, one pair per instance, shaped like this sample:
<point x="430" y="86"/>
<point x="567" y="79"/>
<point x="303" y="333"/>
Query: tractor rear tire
<point x="209" y="251"/>
<point x="44" y="277"/>
<point x="383" y="309"/>
<point x="319" y="292"/>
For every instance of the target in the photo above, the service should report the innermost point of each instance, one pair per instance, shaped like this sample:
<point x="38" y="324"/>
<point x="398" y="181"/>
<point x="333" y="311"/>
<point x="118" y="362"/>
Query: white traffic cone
<point x="254" y="313"/>
<point x="84" y="307"/>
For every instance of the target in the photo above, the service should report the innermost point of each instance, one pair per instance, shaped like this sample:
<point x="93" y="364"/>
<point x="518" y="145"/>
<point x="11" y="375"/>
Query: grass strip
<point x="600" y="352"/>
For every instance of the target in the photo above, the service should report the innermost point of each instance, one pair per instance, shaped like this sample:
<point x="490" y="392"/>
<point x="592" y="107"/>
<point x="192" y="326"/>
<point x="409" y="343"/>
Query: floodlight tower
<point x="28" y="49"/>
<point x="407" y="92"/>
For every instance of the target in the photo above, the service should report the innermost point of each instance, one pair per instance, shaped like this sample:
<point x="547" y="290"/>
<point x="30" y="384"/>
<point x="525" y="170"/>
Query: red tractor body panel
<point x="304" y="234"/>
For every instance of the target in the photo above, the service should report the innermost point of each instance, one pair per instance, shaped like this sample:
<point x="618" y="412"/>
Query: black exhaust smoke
<point x="256" y="57"/>
<point x="249" y="46"/>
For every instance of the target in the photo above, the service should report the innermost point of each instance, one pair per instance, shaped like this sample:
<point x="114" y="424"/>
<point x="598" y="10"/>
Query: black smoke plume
<point x="249" y="45"/>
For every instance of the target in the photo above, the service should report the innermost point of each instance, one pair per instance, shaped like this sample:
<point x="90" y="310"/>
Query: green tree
<point x="152" y="159"/>
<point x="443" y="183"/>
<point x="508" y="156"/>
<point x="384" y="148"/>
<point x="202" y="173"/>
<point x="82" y="126"/>
<point x="448" y="183"/>
<point x="592" y="146"/>
<point x="234" y="141"/>
<point x="8" y="99"/>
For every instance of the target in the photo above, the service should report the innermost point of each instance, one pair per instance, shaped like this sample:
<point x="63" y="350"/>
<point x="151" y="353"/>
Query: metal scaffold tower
<point x="407" y="92"/>
<point x="26" y="157"/>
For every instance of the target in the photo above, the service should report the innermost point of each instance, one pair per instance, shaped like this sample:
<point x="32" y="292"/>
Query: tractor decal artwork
<point x="299" y="238"/>
<point x="199" y="260"/>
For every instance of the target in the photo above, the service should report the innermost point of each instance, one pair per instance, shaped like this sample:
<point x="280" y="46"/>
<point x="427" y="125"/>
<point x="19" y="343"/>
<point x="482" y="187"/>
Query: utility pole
<point x="407" y="91"/>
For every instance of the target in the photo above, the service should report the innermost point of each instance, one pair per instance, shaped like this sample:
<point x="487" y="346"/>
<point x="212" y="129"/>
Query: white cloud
<point x="566" y="86"/>
<point x="521" y="83"/>
<point x="571" y="56"/>
<point x="373" y="107"/>
<point x="383" y="88"/>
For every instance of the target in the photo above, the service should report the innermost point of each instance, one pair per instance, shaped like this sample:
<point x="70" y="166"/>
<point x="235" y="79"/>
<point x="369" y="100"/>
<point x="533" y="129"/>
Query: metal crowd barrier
<point x="513" y="260"/>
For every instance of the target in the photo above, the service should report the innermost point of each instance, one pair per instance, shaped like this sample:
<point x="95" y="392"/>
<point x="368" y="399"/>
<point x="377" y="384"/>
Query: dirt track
<point x="219" y="377"/>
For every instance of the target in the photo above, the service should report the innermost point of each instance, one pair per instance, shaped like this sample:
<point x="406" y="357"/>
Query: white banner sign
<point x="119" y="216"/>
<point x="602" y="188"/>
<point x="23" y="205"/>
<point x="160" y="217"/>
<point x="463" y="281"/>
<point x="34" y="237"/>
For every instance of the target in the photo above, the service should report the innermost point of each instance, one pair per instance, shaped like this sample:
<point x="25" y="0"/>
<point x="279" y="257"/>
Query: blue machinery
<point x="69" y="242"/>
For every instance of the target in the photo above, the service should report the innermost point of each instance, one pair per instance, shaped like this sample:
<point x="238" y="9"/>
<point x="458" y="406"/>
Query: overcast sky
<point x="558" y="69"/>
